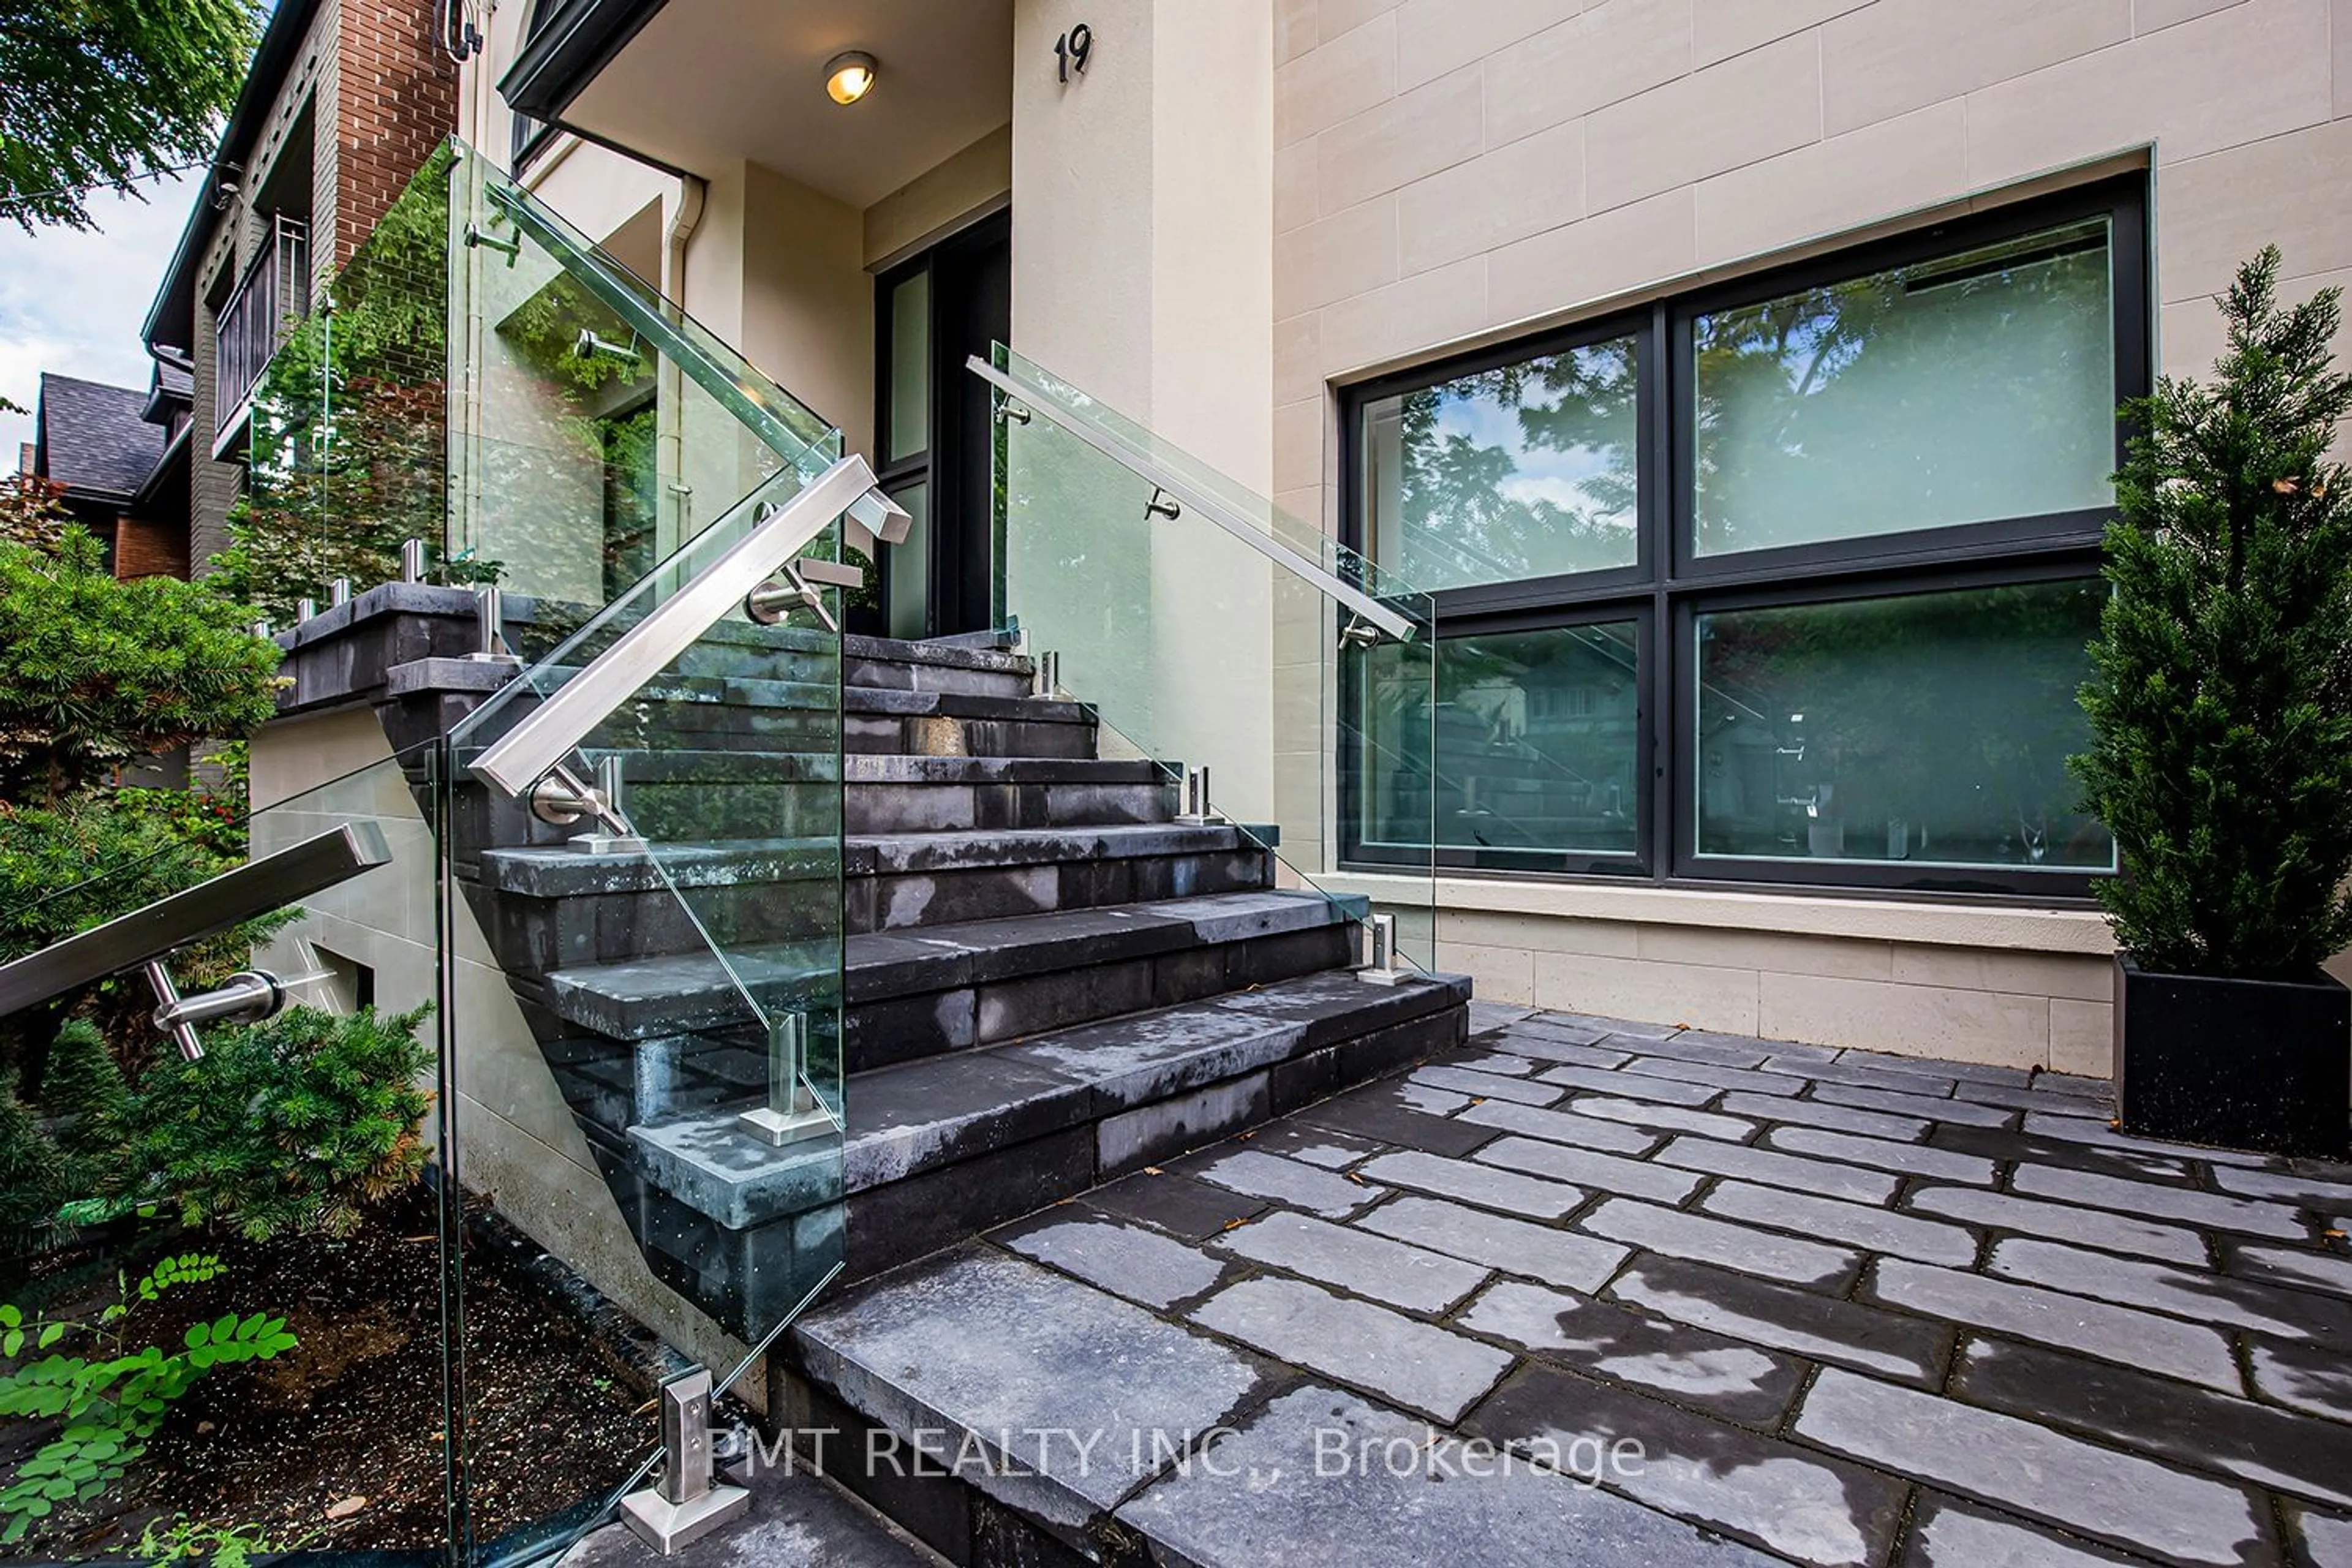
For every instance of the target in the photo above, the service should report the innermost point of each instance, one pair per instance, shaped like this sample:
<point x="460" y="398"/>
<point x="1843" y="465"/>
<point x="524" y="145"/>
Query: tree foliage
<point x="99" y="93"/>
<point x="95" y="671"/>
<point x="2221" y="704"/>
<point x="290" y="1125"/>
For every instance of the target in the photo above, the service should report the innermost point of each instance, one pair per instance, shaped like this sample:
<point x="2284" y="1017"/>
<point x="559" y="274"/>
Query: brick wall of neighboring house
<point x="144" y="548"/>
<point x="396" y="98"/>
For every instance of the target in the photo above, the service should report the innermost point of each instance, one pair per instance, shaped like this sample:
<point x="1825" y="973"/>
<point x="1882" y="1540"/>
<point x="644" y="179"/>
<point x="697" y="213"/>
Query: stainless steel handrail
<point x="545" y="737"/>
<point x="205" y="910"/>
<point x="1207" y="502"/>
<point x="651" y="321"/>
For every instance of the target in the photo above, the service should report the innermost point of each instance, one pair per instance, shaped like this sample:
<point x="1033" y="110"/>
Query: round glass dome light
<point x="849" y="76"/>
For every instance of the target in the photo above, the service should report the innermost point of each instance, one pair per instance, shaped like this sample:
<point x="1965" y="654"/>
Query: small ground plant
<point x="107" y="1391"/>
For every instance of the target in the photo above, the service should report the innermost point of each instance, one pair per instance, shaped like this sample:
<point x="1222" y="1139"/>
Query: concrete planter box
<point x="2244" y="1064"/>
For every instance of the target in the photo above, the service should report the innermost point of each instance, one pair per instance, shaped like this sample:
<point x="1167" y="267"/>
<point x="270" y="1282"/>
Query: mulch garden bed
<point x="338" y="1444"/>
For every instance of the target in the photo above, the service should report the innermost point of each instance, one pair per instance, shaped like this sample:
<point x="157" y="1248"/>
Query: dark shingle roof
<point x="94" y="437"/>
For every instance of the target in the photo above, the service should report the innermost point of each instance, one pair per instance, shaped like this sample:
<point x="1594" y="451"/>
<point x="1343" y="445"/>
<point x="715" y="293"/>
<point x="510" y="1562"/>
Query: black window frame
<point x="1671" y="584"/>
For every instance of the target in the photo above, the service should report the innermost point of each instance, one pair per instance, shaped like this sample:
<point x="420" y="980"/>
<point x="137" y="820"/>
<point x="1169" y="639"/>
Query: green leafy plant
<point x="2221" y="703"/>
<point x="293" y="1124"/>
<point x="186" y="1540"/>
<point x="103" y="93"/>
<point x="95" y="673"/>
<point x="109" y="1393"/>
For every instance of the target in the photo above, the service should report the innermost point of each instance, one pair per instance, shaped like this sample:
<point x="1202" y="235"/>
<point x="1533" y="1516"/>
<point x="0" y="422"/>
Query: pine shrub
<point x="2221" y="702"/>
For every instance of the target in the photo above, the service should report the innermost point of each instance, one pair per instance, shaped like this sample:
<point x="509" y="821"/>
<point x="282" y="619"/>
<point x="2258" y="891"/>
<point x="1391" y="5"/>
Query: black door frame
<point x="970" y="308"/>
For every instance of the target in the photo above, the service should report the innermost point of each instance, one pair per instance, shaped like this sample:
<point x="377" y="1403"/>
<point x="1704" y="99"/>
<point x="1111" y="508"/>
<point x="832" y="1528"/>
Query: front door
<point x="931" y="424"/>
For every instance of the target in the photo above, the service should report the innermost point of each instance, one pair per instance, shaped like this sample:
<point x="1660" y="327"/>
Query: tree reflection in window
<point x="1967" y="389"/>
<point x="1524" y="470"/>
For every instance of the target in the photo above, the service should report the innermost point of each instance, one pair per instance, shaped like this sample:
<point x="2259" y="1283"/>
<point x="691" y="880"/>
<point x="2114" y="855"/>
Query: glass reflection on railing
<point x="1213" y="631"/>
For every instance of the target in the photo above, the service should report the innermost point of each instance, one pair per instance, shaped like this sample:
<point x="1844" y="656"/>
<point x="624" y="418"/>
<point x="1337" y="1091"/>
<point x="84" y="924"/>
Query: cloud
<point x="73" y="303"/>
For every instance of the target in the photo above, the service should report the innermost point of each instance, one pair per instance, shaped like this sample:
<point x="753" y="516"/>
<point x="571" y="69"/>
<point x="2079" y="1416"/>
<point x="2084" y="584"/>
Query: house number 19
<point x="1071" y="51"/>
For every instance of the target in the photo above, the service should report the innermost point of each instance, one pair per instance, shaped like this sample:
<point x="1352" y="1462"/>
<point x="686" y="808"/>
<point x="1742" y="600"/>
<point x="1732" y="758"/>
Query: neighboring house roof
<point x="171" y="320"/>
<point x="93" y="438"/>
<point x="173" y="391"/>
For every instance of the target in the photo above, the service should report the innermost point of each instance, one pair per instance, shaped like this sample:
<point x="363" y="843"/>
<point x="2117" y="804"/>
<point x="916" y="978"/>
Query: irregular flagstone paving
<point x="1600" y="1292"/>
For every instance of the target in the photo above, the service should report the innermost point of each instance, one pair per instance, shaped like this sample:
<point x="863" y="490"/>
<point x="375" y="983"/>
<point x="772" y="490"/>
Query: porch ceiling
<point x="704" y="82"/>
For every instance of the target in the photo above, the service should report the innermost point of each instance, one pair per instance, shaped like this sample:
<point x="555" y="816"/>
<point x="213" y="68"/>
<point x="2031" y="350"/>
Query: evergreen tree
<point x="95" y="671"/>
<point x="2221" y="700"/>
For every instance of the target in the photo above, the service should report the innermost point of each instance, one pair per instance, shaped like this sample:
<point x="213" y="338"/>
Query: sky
<point x="73" y="301"/>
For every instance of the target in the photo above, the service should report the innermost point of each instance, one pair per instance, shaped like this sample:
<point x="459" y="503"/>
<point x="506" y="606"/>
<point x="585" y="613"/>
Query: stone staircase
<point x="1049" y="982"/>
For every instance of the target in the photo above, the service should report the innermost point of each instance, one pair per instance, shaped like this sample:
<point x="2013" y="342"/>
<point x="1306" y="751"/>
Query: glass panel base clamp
<point x="1383" y="968"/>
<point x="683" y="1506"/>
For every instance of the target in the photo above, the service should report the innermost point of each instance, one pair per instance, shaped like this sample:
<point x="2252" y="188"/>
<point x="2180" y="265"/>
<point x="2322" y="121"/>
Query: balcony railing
<point x="274" y="291"/>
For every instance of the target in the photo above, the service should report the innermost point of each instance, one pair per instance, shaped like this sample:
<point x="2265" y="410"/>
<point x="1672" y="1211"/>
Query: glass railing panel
<point x="1299" y="676"/>
<point x="267" y="1216"/>
<point x="656" y="1000"/>
<point x="597" y="429"/>
<point x="347" y="444"/>
<point x="657" y="995"/>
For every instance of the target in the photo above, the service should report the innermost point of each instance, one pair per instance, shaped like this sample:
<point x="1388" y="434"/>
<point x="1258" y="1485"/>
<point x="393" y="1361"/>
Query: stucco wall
<point x="1447" y="172"/>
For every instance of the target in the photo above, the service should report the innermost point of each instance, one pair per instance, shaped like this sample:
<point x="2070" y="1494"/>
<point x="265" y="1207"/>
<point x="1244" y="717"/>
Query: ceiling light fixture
<point x="849" y="76"/>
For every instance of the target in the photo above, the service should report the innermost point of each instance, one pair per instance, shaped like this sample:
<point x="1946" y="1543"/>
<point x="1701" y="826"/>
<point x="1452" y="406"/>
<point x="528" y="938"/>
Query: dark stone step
<point x="900" y="882"/>
<point x="892" y="794"/>
<point x="950" y="988"/>
<point x="944" y="988"/>
<point x="945" y="1147"/>
<point x="619" y="943"/>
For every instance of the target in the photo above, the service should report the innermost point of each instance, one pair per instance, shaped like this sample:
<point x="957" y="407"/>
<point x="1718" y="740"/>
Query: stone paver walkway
<point x="1591" y="1291"/>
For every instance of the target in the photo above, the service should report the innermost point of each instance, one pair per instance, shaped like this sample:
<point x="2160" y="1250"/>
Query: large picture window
<point x="1789" y="580"/>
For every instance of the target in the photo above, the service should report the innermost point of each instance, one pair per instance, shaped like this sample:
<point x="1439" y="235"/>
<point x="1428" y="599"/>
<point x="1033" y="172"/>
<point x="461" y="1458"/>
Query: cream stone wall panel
<point x="1414" y="134"/>
<point x="808" y="310"/>
<point x="598" y="190"/>
<point x="1334" y="17"/>
<point x="1299" y="445"/>
<point x="1386" y="324"/>
<point x="2294" y="191"/>
<point x="1434" y="36"/>
<point x="1524" y="188"/>
<point x="1297" y="198"/>
<point x="1899" y="55"/>
<point x="1843" y="957"/>
<point x="2237" y="75"/>
<point x="1297" y="363"/>
<point x="1496" y="973"/>
<point x="1738" y="112"/>
<point x="1082" y="193"/>
<point x="1294" y="28"/>
<point x="1608" y="53"/>
<point x="1701" y="997"/>
<point x="2340" y="37"/>
<point x="1565" y="270"/>
<point x="2083" y="977"/>
<point x="2082" y="1037"/>
<point x="941" y="199"/>
<point x="1307" y="504"/>
<point x="1905" y="162"/>
<point x="1728" y="27"/>
<point x="1349" y="253"/>
<point x="1542" y="933"/>
<point x="295" y="756"/>
<point x="1913" y="1020"/>
<point x="1328" y="84"/>
<point x="2149" y="15"/>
